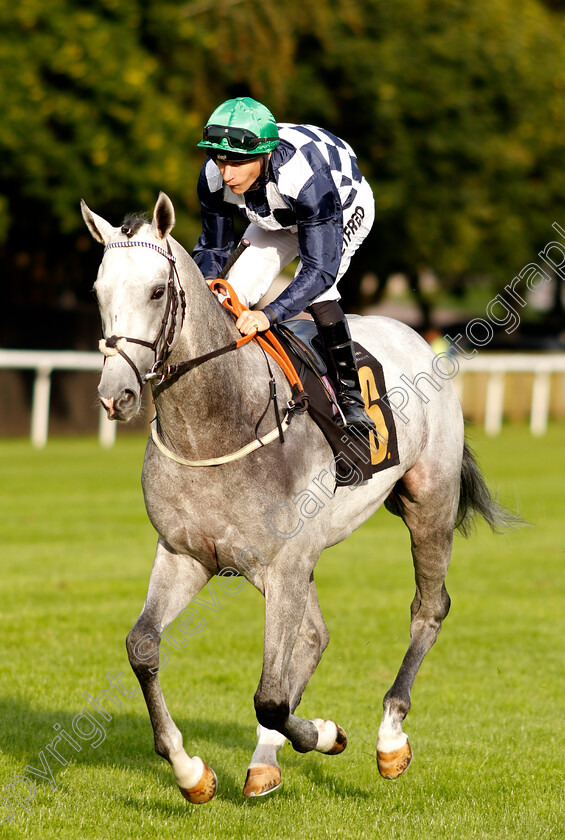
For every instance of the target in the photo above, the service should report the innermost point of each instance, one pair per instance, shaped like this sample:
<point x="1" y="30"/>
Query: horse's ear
<point x="100" y="229"/>
<point x="163" y="217"/>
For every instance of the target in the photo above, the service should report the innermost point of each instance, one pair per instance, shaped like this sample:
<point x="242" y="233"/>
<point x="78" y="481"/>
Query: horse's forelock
<point x="132" y="224"/>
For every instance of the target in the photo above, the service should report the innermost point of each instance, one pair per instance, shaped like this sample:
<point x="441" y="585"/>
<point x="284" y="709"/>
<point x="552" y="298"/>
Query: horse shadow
<point x="128" y="743"/>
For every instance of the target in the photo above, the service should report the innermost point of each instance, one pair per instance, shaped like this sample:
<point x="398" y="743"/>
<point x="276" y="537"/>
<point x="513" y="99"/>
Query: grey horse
<point x="248" y="513"/>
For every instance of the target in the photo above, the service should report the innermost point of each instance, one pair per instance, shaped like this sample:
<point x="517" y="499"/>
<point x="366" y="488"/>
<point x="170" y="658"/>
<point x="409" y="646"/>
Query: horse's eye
<point x="158" y="293"/>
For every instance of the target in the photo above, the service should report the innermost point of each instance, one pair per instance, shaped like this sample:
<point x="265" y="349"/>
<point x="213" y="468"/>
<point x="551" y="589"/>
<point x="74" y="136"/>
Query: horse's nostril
<point x="128" y="397"/>
<point x="126" y="403"/>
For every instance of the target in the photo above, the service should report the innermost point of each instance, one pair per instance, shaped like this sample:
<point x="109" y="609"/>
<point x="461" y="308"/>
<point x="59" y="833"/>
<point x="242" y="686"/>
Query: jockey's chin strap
<point x="116" y="344"/>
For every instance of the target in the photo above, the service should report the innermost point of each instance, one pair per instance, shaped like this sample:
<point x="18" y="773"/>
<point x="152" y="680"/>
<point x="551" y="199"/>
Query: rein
<point x="183" y="367"/>
<point x="267" y="340"/>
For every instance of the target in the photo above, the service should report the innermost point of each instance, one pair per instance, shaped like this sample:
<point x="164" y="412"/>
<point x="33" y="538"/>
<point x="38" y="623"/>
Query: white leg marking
<point x="269" y="742"/>
<point x="327" y="734"/>
<point x="390" y="735"/>
<point x="188" y="771"/>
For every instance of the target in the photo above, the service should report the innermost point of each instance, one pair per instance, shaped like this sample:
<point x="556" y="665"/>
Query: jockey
<point x="301" y="191"/>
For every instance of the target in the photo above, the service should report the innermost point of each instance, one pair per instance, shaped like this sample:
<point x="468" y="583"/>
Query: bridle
<point x="114" y="345"/>
<point x="161" y="346"/>
<point x="159" y="372"/>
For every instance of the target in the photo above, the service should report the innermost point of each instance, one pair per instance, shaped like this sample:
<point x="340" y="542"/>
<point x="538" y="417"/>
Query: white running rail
<point x="495" y="365"/>
<point x="44" y="362"/>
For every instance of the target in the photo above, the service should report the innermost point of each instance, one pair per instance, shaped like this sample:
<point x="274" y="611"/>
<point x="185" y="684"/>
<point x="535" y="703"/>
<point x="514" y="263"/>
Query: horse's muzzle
<point x="123" y="407"/>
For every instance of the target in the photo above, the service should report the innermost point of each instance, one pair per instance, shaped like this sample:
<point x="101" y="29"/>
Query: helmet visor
<point x="240" y="139"/>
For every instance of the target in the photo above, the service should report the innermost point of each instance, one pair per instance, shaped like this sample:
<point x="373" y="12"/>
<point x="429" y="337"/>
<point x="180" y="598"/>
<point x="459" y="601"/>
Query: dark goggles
<point x="238" y="138"/>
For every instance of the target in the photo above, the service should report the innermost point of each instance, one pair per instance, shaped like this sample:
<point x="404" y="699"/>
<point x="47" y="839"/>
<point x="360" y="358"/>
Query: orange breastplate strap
<point x="267" y="340"/>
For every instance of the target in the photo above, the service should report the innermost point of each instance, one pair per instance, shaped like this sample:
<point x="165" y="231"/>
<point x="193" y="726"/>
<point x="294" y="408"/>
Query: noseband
<point x="115" y="344"/>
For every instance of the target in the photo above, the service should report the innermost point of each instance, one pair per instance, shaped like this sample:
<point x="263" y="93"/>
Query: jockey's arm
<point x="320" y="240"/>
<point x="215" y="243"/>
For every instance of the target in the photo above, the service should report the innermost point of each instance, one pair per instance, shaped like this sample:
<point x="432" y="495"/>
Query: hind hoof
<point x="204" y="791"/>
<point x="262" y="779"/>
<point x="393" y="764"/>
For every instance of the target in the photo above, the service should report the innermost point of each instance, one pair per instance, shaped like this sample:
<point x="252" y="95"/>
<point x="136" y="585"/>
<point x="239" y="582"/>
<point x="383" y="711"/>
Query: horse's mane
<point x="132" y="223"/>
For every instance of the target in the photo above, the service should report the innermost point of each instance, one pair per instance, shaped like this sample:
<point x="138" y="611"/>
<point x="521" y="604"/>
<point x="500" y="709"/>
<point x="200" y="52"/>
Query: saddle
<point x="298" y="350"/>
<point x="302" y="336"/>
<point x="357" y="456"/>
<point x="301" y="339"/>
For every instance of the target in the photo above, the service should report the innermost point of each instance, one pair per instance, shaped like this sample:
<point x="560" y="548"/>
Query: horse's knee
<point x="446" y="602"/>
<point x="443" y="605"/>
<point x="430" y="609"/>
<point x="315" y="641"/>
<point x="142" y="645"/>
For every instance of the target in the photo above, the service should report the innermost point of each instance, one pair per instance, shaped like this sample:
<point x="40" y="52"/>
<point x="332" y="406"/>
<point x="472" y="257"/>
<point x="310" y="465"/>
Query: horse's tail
<point x="475" y="498"/>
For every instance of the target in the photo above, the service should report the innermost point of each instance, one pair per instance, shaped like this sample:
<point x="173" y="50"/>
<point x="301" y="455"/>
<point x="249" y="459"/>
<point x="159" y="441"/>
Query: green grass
<point x="486" y="724"/>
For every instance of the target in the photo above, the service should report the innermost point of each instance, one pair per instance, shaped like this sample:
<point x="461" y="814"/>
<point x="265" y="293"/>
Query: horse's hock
<point x="435" y="481"/>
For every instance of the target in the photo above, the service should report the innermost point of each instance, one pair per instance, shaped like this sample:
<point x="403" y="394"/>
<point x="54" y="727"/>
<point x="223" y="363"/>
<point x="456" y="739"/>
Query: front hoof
<point x="340" y="742"/>
<point x="262" y="779"/>
<point x="204" y="790"/>
<point x="393" y="764"/>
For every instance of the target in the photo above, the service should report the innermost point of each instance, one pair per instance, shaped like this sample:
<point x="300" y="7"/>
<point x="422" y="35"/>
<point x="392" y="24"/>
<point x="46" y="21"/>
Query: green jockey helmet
<point x="240" y="128"/>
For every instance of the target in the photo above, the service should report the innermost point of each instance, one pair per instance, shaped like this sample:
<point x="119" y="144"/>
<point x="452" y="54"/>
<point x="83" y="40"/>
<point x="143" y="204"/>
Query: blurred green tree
<point x="83" y="116"/>
<point x="455" y="109"/>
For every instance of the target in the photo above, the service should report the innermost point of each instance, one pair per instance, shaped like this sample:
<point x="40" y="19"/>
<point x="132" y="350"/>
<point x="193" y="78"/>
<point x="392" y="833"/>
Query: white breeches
<point x="271" y="250"/>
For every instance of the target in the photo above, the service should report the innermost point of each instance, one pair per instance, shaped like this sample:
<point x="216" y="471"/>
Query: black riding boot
<point x="337" y="341"/>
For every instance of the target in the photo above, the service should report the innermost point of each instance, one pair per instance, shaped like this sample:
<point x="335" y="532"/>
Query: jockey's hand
<point x="252" y="321"/>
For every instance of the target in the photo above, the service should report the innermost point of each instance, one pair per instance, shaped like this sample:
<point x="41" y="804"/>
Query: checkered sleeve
<point x="214" y="245"/>
<point x="319" y="218"/>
